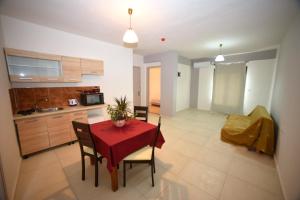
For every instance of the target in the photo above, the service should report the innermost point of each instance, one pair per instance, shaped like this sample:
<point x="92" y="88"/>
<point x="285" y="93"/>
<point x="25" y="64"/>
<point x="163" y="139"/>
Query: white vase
<point x="120" y="123"/>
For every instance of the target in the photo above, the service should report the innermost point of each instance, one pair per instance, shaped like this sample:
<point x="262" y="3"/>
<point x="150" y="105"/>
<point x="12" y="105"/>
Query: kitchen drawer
<point x="33" y="143"/>
<point x="32" y="126"/>
<point x="58" y="120"/>
<point x="59" y="136"/>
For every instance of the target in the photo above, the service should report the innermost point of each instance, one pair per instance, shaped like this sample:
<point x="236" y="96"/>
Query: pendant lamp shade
<point x="130" y="36"/>
<point x="220" y="57"/>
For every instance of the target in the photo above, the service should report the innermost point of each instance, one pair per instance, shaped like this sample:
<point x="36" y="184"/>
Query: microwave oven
<point x="88" y="99"/>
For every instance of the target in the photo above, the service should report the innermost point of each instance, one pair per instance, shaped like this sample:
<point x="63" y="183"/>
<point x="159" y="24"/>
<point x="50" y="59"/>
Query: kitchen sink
<point x="53" y="109"/>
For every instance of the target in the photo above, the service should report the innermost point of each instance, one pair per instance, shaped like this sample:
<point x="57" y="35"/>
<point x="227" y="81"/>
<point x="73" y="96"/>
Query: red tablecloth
<point x="116" y="143"/>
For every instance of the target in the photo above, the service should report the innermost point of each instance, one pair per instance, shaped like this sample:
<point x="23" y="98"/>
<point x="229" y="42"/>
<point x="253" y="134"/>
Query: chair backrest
<point x="84" y="136"/>
<point x="156" y="136"/>
<point x="141" y="113"/>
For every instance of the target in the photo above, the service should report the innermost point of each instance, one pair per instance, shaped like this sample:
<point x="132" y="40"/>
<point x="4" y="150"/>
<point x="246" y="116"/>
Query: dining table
<point x="115" y="143"/>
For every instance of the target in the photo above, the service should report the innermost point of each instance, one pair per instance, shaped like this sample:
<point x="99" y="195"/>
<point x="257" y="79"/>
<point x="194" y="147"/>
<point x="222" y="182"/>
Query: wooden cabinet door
<point x="33" y="135"/>
<point x="58" y="129"/>
<point x="71" y="69"/>
<point x="80" y="116"/>
<point x="94" y="67"/>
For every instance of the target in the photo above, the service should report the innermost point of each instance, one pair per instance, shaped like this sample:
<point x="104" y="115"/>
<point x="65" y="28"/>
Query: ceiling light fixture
<point x="130" y="36"/>
<point x="220" y="57"/>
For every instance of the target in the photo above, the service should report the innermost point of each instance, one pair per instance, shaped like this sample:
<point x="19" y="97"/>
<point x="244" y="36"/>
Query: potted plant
<point x="119" y="113"/>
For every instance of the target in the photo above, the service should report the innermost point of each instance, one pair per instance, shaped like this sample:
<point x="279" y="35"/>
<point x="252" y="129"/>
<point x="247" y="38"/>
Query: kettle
<point x="73" y="102"/>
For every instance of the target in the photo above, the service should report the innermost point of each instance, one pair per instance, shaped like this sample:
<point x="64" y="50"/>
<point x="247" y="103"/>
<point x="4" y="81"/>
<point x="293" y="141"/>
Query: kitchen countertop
<point x="65" y="110"/>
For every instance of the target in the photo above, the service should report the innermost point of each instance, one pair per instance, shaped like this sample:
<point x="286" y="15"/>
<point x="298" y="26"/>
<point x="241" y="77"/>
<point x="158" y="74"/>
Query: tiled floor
<point x="193" y="164"/>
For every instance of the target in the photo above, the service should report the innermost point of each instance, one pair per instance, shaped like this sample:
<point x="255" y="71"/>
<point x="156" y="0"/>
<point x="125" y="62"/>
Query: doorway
<point x="154" y="85"/>
<point x="136" y="86"/>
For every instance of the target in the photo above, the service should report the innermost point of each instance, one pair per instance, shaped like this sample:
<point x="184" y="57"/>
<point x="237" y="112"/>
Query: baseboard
<point x="13" y="194"/>
<point x="280" y="177"/>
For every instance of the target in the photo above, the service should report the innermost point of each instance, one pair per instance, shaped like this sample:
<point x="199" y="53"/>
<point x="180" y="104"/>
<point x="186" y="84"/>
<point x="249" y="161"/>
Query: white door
<point x="136" y="86"/>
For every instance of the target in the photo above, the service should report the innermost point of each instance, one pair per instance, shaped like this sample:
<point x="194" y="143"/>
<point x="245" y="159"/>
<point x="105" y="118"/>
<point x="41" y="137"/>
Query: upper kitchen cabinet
<point x="71" y="69"/>
<point x="93" y="67"/>
<point x="26" y="66"/>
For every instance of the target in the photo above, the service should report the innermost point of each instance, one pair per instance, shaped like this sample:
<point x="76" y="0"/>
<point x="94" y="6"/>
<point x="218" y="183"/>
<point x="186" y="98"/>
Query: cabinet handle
<point x="57" y="117"/>
<point x="79" y="113"/>
<point x="22" y="78"/>
<point x="31" y="121"/>
<point x="77" y="119"/>
<point x="93" y="72"/>
<point x="72" y="79"/>
<point x="52" y="79"/>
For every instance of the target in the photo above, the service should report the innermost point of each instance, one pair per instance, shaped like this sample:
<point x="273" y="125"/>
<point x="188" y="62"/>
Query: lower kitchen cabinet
<point x="33" y="135"/>
<point x="39" y="133"/>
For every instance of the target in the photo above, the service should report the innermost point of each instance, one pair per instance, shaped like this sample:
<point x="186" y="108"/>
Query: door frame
<point x="156" y="65"/>
<point x="140" y="96"/>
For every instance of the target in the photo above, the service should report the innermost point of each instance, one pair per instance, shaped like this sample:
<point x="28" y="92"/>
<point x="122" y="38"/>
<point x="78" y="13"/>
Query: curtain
<point x="228" y="89"/>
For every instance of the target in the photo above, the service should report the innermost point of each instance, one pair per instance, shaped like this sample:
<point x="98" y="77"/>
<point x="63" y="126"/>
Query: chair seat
<point x="90" y="151"/>
<point x="141" y="154"/>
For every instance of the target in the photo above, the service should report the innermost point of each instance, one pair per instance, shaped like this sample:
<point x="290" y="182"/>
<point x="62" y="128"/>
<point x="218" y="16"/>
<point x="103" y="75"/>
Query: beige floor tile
<point x="171" y="160"/>
<point x="235" y="188"/>
<point x="186" y="148"/>
<point x="204" y="177"/>
<point x="44" y="181"/>
<point x="220" y="161"/>
<point x="257" y="174"/>
<point x="38" y="161"/>
<point x="181" y="190"/>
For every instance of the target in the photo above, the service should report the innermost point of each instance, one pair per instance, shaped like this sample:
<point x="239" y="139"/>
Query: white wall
<point x="183" y="87"/>
<point x="9" y="150"/>
<point x="205" y="87"/>
<point x="260" y="74"/>
<point x="118" y="61"/>
<point x="154" y="84"/>
<point x="286" y="111"/>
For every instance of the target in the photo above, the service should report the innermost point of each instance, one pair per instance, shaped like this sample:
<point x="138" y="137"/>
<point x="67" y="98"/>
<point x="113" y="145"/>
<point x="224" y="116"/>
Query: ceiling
<point x="194" y="28"/>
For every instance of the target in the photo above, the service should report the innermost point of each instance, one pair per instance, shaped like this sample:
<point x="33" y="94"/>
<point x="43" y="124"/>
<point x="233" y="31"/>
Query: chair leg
<point x="152" y="172"/>
<point x="154" y="164"/>
<point x="96" y="174"/>
<point x="82" y="168"/>
<point x="130" y="165"/>
<point x="124" y="174"/>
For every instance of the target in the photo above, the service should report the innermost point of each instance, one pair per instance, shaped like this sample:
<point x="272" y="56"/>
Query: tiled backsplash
<point x="27" y="98"/>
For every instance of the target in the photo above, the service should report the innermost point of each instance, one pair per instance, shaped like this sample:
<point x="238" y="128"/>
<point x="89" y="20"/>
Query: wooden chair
<point x="87" y="147"/>
<point x="141" y="113"/>
<point x="143" y="155"/>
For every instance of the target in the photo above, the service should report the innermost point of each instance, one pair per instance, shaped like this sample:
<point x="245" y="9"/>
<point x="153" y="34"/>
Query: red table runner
<point x="116" y="143"/>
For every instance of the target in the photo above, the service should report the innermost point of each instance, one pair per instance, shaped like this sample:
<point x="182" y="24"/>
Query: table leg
<point x="114" y="179"/>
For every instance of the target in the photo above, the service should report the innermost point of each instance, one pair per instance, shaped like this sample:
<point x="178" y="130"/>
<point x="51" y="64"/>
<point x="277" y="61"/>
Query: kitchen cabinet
<point x="92" y="67"/>
<point x="71" y="69"/>
<point x="28" y="66"/>
<point x="58" y="129"/>
<point x="25" y="69"/>
<point x="39" y="133"/>
<point x="33" y="135"/>
<point x="80" y="116"/>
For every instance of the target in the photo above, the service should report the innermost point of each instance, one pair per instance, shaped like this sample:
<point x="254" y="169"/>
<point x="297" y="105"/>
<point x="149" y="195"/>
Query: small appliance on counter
<point x="92" y="97"/>
<point x="73" y="102"/>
